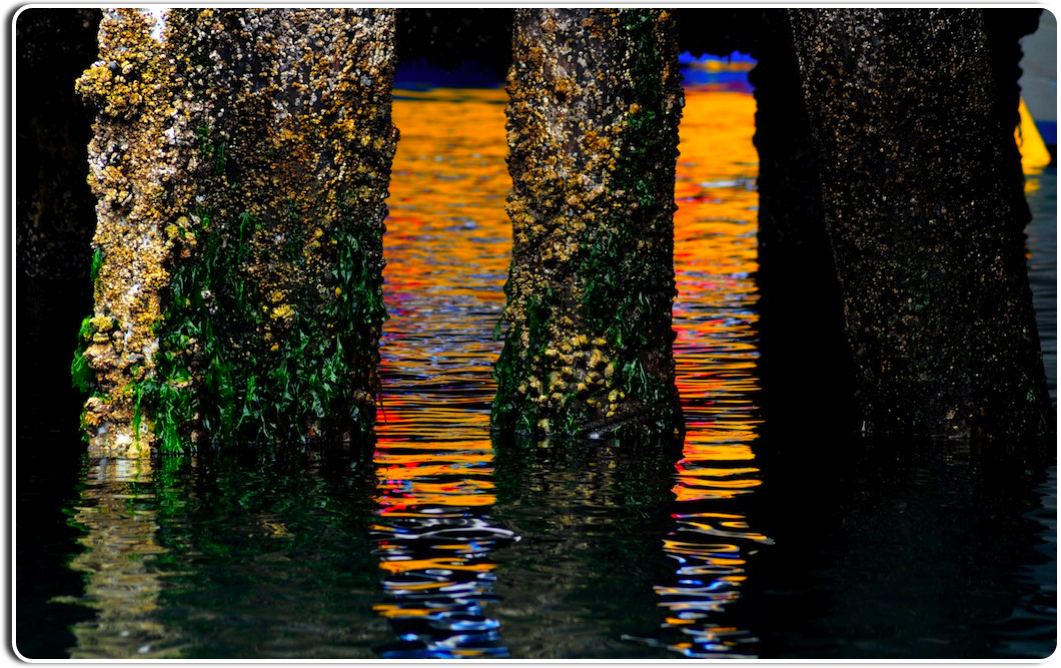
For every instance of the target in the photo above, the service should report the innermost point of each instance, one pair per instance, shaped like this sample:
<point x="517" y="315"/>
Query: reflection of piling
<point x="259" y="154"/>
<point x="923" y="208"/>
<point x="593" y="130"/>
<point x="121" y="583"/>
<point x="593" y="561"/>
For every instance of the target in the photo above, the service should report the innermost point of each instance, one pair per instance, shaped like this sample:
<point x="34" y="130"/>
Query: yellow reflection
<point x="1035" y="157"/>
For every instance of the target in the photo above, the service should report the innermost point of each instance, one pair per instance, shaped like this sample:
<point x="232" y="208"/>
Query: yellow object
<point x="1034" y="156"/>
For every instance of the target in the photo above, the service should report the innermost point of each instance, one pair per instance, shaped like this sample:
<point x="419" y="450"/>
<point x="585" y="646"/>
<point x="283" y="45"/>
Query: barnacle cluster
<point x="131" y="170"/>
<point x="269" y="302"/>
<point x="595" y="101"/>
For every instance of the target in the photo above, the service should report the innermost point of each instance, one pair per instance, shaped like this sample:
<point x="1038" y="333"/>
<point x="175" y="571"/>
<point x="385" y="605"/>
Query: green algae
<point x="97" y="263"/>
<point x="81" y="374"/>
<point x="215" y="313"/>
<point x="589" y="293"/>
<point x="270" y="305"/>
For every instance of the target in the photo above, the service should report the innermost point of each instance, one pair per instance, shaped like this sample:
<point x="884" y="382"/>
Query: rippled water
<point x="440" y="520"/>
<point x="443" y="543"/>
<point x="447" y="254"/>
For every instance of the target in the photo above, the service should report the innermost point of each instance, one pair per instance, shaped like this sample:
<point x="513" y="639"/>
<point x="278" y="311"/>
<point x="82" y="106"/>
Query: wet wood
<point x="241" y="160"/>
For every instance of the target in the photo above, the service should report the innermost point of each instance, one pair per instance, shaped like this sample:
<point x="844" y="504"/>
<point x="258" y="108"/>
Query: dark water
<point x="442" y="543"/>
<point x="1042" y="270"/>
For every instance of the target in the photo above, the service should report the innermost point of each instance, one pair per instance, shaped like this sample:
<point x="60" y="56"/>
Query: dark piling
<point x="54" y="210"/>
<point x="911" y="118"/>
<point x="801" y="319"/>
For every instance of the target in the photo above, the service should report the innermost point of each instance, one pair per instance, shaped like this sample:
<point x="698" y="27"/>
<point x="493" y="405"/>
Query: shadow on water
<point x="907" y="549"/>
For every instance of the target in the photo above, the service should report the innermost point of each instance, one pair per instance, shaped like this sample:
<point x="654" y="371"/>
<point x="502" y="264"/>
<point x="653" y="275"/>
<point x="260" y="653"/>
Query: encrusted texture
<point x="132" y="159"/>
<point x="595" y="100"/>
<point x="271" y="304"/>
<point x="923" y="206"/>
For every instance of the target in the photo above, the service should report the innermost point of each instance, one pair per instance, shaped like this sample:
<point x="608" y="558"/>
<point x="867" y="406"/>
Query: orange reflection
<point x="447" y="249"/>
<point x="715" y="251"/>
<point x="715" y="258"/>
<point x="455" y="138"/>
<point x="420" y="564"/>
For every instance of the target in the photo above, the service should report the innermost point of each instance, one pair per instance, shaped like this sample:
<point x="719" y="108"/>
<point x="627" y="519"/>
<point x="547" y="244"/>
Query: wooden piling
<point x="912" y="116"/>
<point x="267" y="142"/>
<point x="595" y="100"/>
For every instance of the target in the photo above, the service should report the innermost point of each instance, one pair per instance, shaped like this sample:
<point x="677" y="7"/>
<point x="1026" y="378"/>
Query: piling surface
<point x="595" y="100"/>
<point x="922" y="200"/>
<point x="133" y="161"/>
<point x="267" y="303"/>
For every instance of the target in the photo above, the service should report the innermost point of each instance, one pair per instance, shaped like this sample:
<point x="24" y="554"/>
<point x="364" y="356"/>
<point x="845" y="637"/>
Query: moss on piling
<point x="595" y="101"/>
<point x="131" y="169"/>
<point x="272" y="309"/>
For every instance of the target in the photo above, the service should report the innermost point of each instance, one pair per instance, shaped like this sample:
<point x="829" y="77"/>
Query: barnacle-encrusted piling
<point x="912" y="114"/>
<point x="271" y="295"/>
<point x="132" y="166"/>
<point x="595" y="100"/>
